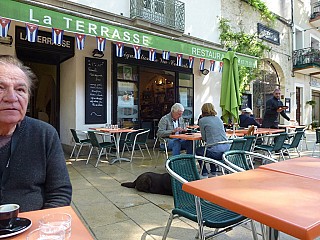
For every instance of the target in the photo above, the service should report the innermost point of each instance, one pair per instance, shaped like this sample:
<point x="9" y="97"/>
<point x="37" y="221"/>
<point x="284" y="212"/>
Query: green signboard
<point x="53" y="19"/>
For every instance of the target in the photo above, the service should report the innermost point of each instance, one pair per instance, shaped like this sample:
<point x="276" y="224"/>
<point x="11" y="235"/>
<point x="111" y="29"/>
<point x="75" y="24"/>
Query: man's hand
<point x="178" y="129"/>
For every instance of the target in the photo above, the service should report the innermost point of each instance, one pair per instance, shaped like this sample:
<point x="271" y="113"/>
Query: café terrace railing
<point x="315" y="10"/>
<point x="169" y="13"/>
<point x="306" y="57"/>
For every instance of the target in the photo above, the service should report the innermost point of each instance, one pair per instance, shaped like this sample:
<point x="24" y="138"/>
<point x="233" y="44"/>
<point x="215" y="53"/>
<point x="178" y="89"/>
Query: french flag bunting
<point x="137" y="51"/>
<point x="191" y="61"/>
<point x="57" y="36"/>
<point x="166" y="55"/>
<point x="220" y="66"/>
<point x="80" y="38"/>
<point x="119" y="49"/>
<point x="101" y="43"/>
<point x="179" y="59"/>
<point x="4" y="27"/>
<point x="202" y="62"/>
<point x="32" y="32"/>
<point x="152" y="54"/>
<point x="212" y="64"/>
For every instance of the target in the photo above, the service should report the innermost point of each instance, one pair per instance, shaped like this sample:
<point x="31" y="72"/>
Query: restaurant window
<point x="127" y="95"/>
<point x="186" y="95"/>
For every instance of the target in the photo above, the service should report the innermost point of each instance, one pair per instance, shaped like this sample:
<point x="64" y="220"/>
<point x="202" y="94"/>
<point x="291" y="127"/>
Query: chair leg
<point x="89" y="155"/>
<point x="141" y="150"/>
<point x="79" y="151"/>
<point x="199" y="218"/>
<point x="74" y="147"/>
<point x="314" y="148"/>
<point x="132" y="151"/>
<point x="148" y="150"/>
<point x="263" y="231"/>
<point x="166" y="231"/>
<point x="254" y="230"/>
<point x="99" y="157"/>
<point x="298" y="151"/>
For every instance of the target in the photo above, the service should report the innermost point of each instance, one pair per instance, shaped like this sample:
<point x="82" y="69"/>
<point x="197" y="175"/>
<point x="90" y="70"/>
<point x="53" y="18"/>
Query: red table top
<point x="303" y="166"/>
<point x="285" y="202"/>
<point x="78" y="230"/>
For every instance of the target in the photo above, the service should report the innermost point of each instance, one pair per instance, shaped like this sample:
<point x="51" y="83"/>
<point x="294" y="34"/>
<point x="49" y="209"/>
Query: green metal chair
<point x="78" y="142"/>
<point x="182" y="169"/>
<point x="249" y="144"/>
<point x="238" y="144"/>
<point x="294" y="143"/>
<point x="99" y="145"/>
<point x="279" y="140"/>
<point x="317" y="140"/>
<point x="304" y="136"/>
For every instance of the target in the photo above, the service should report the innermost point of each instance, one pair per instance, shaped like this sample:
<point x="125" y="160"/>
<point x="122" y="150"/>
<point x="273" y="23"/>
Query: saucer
<point x="22" y="224"/>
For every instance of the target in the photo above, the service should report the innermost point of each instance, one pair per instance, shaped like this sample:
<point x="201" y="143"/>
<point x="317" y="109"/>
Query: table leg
<point x="118" y="158"/>
<point x="272" y="234"/>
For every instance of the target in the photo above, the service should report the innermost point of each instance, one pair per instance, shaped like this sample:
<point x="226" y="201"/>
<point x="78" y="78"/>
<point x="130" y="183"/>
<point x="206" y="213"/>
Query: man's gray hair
<point x="177" y="107"/>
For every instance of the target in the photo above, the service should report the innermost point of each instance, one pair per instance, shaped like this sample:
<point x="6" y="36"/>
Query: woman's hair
<point x="208" y="110"/>
<point x="177" y="107"/>
<point x="11" y="60"/>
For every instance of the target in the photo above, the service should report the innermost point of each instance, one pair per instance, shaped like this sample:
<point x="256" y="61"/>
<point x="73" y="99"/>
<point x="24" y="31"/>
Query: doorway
<point x="298" y="102"/>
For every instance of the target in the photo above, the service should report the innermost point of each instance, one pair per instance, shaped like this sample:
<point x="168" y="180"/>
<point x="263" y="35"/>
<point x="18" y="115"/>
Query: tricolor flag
<point x="152" y="54"/>
<point x="57" y="36"/>
<point x="4" y="27"/>
<point x="191" y="61"/>
<point x="220" y="66"/>
<point x="101" y="43"/>
<point x="202" y="62"/>
<point x="179" y="59"/>
<point x="32" y="32"/>
<point x="166" y="55"/>
<point x="119" y="49"/>
<point x="212" y="64"/>
<point x="137" y="51"/>
<point x="80" y="38"/>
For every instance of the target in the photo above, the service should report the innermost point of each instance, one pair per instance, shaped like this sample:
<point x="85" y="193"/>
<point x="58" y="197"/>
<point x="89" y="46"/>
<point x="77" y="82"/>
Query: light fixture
<point x="6" y="40"/>
<point x="204" y="71"/>
<point x="98" y="54"/>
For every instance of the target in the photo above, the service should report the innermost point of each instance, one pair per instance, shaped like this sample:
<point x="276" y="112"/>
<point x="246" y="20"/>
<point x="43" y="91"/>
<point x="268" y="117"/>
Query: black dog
<point x="152" y="183"/>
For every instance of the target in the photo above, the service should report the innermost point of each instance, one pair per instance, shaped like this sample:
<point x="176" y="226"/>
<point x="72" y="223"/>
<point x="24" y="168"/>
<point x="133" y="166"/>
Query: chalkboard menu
<point x="96" y="79"/>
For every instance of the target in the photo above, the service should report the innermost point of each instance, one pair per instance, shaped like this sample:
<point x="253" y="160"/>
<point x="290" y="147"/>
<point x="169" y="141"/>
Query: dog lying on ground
<point x="152" y="183"/>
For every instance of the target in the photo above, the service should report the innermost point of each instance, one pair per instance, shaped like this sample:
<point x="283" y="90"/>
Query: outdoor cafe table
<point x="283" y="202"/>
<point x="308" y="167"/>
<point x="190" y="137"/>
<point x="117" y="133"/>
<point x="78" y="230"/>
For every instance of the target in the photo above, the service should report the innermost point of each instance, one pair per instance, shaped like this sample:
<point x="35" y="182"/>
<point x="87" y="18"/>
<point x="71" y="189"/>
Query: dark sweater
<point x="270" y="119"/>
<point x="37" y="176"/>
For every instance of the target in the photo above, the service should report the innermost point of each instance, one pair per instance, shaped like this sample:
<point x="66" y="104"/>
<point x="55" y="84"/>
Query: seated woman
<point x="212" y="131"/>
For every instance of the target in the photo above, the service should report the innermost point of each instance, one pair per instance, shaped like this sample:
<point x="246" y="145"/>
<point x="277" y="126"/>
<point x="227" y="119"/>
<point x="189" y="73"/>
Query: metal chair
<point x="163" y="148"/>
<point x="294" y="143"/>
<point x="99" y="145"/>
<point x="276" y="147"/>
<point x="238" y="144"/>
<point x="78" y="142"/>
<point x="249" y="144"/>
<point x="182" y="169"/>
<point x="317" y="140"/>
<point x="137" y="138"/>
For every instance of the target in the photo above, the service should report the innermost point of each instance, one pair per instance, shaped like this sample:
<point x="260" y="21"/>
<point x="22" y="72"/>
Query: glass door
<point x="186" y="95"/>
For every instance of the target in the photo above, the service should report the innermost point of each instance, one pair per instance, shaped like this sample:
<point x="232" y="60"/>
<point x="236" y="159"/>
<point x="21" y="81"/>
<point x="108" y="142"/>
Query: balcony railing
<point x="315" y="10"/>
<point x="167" y="13"/>
<point x="306" y="57"/>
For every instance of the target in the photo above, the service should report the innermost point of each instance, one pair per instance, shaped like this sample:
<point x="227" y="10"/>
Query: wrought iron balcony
<point x="315" y="10"/>
<point x="167" y="13"/>
<point x="306" y="60"/>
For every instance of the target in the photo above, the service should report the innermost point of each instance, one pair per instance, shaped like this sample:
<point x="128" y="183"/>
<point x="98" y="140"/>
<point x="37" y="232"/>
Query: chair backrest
<point x="142" y="137"/>
<point x="317" y="135"/>
<point x="249" y="143"/>
<point x="93" y="139"/>
<point x="75" y="135"/>
<point x="279" y="141"/>
<point x="238" y="144"/>
<point x="250" y="131"/>
<point x="236" y="159"/>
<point x="296" y="139"/>
<point x="131" y="136"/>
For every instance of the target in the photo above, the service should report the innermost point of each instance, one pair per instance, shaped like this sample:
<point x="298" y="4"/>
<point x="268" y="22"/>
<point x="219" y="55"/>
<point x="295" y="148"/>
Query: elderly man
<point x="274" y="106"/>
<point x="33" y="170"/>
<point x="173" y="123"/>
<point x="246" y="118"/>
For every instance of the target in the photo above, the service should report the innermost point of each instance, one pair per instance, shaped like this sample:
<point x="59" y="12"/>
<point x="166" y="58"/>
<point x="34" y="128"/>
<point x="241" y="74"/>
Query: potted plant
<point x="314" y="124"/>
<point x="311" y="102"/>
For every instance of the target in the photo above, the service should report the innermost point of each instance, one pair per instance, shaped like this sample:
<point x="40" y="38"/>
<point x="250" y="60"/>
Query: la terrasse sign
<point x="48" y="18"/>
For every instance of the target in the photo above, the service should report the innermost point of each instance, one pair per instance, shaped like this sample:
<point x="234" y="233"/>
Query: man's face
<point x="13" y="94"/>
<point x="277" y="94"/>
<point x="176" y="115"/>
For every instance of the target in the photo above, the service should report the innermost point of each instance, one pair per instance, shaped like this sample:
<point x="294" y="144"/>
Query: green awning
<point x="53" y="19"/>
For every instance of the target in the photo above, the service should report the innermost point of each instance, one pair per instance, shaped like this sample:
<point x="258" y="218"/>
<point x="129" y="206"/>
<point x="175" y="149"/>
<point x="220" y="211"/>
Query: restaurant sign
<point x="52" y="19"/>
<point x="268" y="34"/>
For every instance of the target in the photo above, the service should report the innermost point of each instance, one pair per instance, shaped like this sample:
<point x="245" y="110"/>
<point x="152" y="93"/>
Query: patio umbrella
<point x="230" y="99"/>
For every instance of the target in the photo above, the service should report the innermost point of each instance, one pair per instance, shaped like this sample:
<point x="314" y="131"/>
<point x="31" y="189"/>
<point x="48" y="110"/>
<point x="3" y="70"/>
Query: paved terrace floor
<point x="114" y="212"/>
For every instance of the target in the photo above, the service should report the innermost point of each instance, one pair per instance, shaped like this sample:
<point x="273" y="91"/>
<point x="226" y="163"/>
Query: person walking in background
<point x="212" y="131"/>
<point x="247" y="119"/>
<point x="173" y="123"/>
<point x="33" y="170"/>
<point x="274" y="106"/>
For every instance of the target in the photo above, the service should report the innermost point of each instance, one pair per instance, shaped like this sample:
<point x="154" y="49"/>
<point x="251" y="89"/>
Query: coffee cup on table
<point x="8" y="214"/>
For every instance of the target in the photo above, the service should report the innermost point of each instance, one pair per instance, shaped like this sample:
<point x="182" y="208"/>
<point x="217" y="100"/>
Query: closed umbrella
<point x="230" y="99"/>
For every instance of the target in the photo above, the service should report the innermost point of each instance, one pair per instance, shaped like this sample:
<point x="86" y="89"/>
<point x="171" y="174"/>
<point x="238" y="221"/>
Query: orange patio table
<point x="308" y="167"/>
<point x="283" y="202"/>
<point x="78" y="230"/>
<point x="190" y="137"/>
